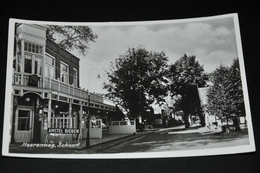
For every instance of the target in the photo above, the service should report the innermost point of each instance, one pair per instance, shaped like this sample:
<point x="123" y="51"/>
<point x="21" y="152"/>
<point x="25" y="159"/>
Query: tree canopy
<point x="72" y="37"/>
<point x="225" y="96"/>
<point x="185" y="75"/>
<point x="137" y="79"/>
<point x="216" y="94"/>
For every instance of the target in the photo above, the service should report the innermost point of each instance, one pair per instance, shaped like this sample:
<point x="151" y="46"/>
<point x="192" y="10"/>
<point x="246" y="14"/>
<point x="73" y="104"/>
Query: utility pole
<point x="88" y="138"/>
<point x="88" y="115"/>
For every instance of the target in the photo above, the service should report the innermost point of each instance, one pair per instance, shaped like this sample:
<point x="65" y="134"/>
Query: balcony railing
<point x="56" y="85"/>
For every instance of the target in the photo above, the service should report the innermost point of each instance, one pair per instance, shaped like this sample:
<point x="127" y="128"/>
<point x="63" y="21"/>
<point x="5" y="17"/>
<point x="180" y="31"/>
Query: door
<point x="38" y="66"/>
<point x="23" y="125"/>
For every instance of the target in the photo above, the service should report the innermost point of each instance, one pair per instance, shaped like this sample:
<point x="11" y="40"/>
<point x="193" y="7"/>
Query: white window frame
<point x="33" y="48"/>
<point x="33" y="62"/>
<point x="50" y="66"/>
<point x="62" y="72"/>
<point x="75" y="77"/>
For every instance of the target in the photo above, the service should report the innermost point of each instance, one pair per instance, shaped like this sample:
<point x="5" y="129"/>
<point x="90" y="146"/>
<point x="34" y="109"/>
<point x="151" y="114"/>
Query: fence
<point x="61" y="122"/>
<point x="58" y="123"/>
<point x="95" y="129"/>
<point x="121" y="127"/>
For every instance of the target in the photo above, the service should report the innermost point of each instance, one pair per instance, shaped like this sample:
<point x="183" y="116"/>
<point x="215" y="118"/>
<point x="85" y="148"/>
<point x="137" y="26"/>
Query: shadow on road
<point x="158" y="142"/>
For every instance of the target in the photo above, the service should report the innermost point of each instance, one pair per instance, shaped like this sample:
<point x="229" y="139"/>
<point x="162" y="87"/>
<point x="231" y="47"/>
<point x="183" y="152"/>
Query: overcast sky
<point x="212" y="42"/>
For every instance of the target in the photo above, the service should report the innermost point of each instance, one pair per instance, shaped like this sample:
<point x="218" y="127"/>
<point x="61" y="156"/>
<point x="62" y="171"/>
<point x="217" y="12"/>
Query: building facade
<point x="46" y="91"/>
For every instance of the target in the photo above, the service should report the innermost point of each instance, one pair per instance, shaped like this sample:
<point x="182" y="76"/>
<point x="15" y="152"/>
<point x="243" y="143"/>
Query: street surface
<point x="171" y="139"/>
<point x="179" y="139"/>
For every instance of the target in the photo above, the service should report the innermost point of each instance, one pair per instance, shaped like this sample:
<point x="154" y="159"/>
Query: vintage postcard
<point x="170" y="88"/>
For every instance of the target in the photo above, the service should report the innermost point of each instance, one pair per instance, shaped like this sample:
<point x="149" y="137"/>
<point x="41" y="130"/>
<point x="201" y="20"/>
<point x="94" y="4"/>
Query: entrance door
<point x="23" y="125"/>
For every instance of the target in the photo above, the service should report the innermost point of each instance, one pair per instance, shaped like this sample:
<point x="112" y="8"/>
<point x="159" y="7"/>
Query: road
<point x="173" y="139"/>
<point x="178" y="139"/>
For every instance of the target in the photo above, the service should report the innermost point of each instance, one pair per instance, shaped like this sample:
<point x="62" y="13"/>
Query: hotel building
<point x="46" y="91"/>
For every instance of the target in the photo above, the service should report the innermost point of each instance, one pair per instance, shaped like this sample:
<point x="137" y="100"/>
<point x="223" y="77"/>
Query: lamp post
<point x="88" y="138"/>
<point x="88" y="115"/>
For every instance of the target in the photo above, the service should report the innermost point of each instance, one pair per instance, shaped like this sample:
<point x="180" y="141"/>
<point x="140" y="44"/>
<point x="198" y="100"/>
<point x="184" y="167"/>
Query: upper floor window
<point x="28" y="64"/>
<point x="75" y="74"/>
<point x="49" y="66"/>
<point x="32" y="64"/>
<point x="64" y="72"/>
<point x="50" y="60"/>
<point x="30" y="47"/>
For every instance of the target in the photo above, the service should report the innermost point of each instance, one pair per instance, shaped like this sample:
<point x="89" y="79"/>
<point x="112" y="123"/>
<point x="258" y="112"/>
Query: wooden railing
<point x="56" y="85"/>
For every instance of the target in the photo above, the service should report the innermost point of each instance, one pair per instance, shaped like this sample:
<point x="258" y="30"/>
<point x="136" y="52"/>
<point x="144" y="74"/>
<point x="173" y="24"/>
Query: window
<point x="30" y="47"/>
<point x="32" y="64"/>
<point x="49" y="66"/>
<point x="75" y="81"/>
<point x="37" y="67"/>
<point x="19" y="63"/>
<point x="28" y="64"/>
<point x="64" y="72"/>
<point x="23" y="120"/>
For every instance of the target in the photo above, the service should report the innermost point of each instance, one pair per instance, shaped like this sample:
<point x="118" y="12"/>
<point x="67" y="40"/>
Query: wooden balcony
<point x="28" y="80"/>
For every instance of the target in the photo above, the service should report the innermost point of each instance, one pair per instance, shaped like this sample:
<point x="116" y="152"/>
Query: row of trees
<point x="140" y="78"/>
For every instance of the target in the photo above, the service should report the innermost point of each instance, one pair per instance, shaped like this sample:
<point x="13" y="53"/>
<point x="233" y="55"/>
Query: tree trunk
<point x="236" y="124"/>
<point x="186" y="120"/>
<point x="202" y="119"/>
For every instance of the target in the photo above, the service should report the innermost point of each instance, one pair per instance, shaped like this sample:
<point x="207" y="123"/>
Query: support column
<point x="80" y="119"/>
<point x="12" y="118"/>
<point x="49" y="110"/>
<point x="36" y="121"/>
<point x="70" y="111"/>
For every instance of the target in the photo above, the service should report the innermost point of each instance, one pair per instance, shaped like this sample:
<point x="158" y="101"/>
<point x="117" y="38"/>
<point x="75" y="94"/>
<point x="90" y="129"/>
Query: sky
<point x="213" y="42"/>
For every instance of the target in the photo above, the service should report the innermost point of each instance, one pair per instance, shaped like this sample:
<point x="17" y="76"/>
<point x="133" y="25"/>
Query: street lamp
<point x="88" y="122"/>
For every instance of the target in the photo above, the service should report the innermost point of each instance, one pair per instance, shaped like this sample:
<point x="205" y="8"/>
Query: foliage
<point x="225" y="96"/>
<point x="217" y="94"/>
<point x="137" y="80"/>
<point x="185" y="75"/>
<point x="72" y="37"/>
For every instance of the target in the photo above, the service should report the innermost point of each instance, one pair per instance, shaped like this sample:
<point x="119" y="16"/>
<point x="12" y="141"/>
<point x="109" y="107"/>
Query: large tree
<point x="235" y="90"/>
<point x="217" y="102"/>
<point x="225" y="96"/>
<point x="72" y="37"/>
<point x="136" y="79"/>
<point x="185" y="75"/>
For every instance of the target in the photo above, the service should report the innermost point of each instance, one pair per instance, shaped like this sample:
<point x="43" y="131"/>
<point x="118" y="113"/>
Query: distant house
<point x="209" y="119"/>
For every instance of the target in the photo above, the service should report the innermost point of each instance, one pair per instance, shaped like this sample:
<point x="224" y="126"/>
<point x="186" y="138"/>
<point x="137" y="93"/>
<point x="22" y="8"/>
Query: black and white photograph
<point x="149" y="89"/>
